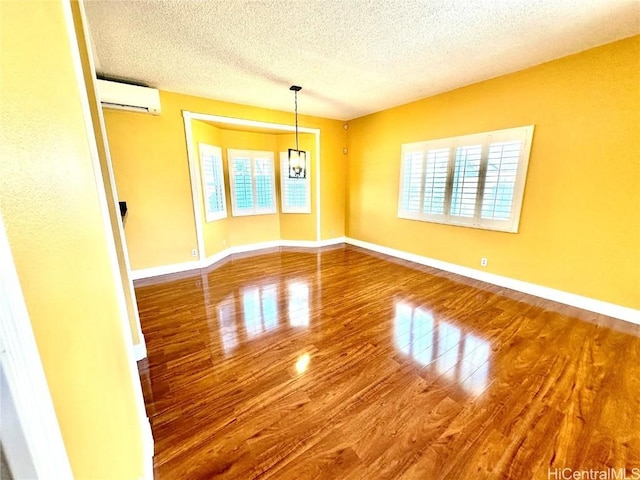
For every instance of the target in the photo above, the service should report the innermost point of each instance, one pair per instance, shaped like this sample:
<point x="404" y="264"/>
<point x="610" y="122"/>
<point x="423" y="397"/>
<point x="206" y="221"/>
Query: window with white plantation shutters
<point x="474" y="180"/>
<point x="215" y="202"/>
<point x="296" y="192"/>
<point x="252" y="181"/>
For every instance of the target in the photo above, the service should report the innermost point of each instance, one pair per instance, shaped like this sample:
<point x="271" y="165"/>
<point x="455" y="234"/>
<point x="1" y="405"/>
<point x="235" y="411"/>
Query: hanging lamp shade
<point x="297" y="163"/>
<point x="297" y="157"/>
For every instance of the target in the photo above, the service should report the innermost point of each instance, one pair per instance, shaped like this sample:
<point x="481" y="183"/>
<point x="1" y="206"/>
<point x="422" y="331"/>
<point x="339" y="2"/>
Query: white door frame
<point x="25" y="376"/>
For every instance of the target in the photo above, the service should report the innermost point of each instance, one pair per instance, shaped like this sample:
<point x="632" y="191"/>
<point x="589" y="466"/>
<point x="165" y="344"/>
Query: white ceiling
<point x="352" y="57"/>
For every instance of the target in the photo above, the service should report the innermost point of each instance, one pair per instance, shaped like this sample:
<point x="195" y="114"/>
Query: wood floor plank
<point x="339" y="363"/>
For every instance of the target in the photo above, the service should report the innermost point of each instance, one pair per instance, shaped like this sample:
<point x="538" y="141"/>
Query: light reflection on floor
<point x="435" y="343"/>
<point x="227" y="318"/>
<point x="298" y="304"/>
<point x="259" y="310"/>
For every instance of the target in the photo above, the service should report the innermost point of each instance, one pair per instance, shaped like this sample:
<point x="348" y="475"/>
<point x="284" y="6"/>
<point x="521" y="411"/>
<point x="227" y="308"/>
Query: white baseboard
<point x="298" y="243"/>
<point x="207" y="262"/>
<point x="259" y="246"/>
<point x="215" y="258"/>
<point x="140" y="351"/>
<point x="586" y="303"/>
<point x="331" y="241"/>
<point x="610" y="309"/>
<point x="164" y="270"/>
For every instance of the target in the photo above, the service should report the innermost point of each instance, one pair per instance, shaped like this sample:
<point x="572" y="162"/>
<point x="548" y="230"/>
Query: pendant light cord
<point x="296" y="101"/>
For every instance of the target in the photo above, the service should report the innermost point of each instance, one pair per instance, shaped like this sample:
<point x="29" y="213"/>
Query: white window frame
<point x="485" y="140"/>
<point x="212" y="155"/>
<point x="254" y="156"/>
<point x="285" y="206"/>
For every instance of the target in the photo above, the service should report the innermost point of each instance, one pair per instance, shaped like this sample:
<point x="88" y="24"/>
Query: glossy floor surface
<point x="342" y="364"/>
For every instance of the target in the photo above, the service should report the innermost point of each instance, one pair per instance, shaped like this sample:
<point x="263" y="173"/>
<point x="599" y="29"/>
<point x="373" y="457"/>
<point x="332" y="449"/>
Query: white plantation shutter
<point x="296" y="192"/>
<point x="474" y="180"/>
<point x="252" y="179"/>
<point x="264" y="178"/>
<point x="500" y="180"/>
<point x="435" y="183"/>
<point x="466" y="177"/>
<point x="215" y="203"/>
<point x="242" y="188"/>
<point x="411" y="179"/>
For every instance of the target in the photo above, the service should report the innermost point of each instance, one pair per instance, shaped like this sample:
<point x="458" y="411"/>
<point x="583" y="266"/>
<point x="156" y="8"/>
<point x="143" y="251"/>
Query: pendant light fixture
<point x="297" y="157"/>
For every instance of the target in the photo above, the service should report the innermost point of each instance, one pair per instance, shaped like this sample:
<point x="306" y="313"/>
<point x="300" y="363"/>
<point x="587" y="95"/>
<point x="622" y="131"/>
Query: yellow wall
<point x="580" y="223"/>
<point x="216" y="233"/>
<point x="150" y="166"/>
<point x="50" y="203"/>
<point x="152" y="174"/>
<point x="333" y="185"/>
<point x="103" y="154"/>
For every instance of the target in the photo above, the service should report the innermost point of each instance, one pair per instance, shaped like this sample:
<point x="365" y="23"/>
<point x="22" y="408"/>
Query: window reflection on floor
<point x="260" y="309"/>
<point x="227" y="319"/>
<point x="448" y="342"/>
<point x="477" y="353"/>
<point x="413" y="327"/>
<point x="440" y="344"/>
<point x="298" y="304"/>
<point x="269" y="302"/>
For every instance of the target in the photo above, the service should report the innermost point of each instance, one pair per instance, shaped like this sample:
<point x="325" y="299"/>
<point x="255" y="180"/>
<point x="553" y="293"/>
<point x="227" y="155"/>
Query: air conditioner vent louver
<point x="123" y="96"/>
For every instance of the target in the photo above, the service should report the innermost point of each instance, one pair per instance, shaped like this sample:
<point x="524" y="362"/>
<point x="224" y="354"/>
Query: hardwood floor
<point x="338" y="363"/>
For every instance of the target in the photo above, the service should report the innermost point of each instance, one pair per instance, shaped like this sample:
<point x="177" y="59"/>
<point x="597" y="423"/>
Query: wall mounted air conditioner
<point x="123" y="96"/>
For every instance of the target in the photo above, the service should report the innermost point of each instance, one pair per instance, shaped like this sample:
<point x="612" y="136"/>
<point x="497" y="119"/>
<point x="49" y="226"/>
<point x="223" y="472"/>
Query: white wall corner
<point x="140" y="350"/>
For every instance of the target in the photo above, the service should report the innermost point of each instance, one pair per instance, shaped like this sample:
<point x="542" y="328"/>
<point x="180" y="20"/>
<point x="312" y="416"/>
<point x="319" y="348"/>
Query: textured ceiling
<point x="352" y="57"/>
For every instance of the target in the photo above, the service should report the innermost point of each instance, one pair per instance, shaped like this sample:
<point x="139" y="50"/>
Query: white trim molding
<point x="331" y="241"/>
<point x="586" y="303"/>
<point x="139" y="351"/>
<point x="194" y="175"/>
<point x="215" y="258"/>
<point x="164" y="270"/>
<point x="21" y="365"/>
<point x="318" y="186"/>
